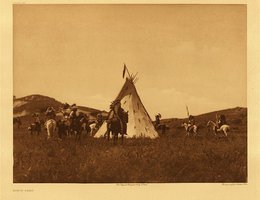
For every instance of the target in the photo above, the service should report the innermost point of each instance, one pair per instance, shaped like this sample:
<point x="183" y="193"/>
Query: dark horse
<point x="78" y="124"/>
<point x="35" y="128"/>
<point x="162" y="128"/>
<point x="17" y="120"/>
<point x="117" y="123"/>
<point x="63" y="128"/>
<point x="158" y="126"/>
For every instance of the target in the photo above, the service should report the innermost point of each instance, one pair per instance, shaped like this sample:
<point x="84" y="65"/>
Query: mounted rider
<point x="36" y="118"/>
<point x="65" y="110"/>
<point x="37" y="121"/>
<point x="73" y="113"/>
<point x="50" y="113"/>
<point x="158" y="120"/>
<point x="118" y="113"/>
<point x="191" y="122"/>
<point x="99" y="120"/>
<point x="220" y="120"/>
<point x="73" y="116"/>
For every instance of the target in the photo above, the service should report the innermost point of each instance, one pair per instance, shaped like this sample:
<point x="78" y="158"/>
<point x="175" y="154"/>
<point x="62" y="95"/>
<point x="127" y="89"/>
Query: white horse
<point x="225" y="128"/>
<point x="190" y="129"/>
<point x="50" y="126"/>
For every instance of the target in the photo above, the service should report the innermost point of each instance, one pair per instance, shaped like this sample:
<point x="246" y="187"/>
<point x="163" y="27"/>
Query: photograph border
<point x="10" y="190"/>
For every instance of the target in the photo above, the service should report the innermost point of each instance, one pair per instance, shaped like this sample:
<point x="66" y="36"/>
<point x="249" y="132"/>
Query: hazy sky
<point x="184" y="54"/>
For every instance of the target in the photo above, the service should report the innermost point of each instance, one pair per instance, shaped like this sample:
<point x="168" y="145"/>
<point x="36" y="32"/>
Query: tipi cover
<point x="139" y="122"/>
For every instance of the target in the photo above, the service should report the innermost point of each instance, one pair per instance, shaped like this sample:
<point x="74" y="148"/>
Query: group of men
<point x="70" y="115"/>
<point x="220" y="120"/>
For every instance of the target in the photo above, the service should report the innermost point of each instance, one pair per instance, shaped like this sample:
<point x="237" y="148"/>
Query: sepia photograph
<point x="128" y="93"/>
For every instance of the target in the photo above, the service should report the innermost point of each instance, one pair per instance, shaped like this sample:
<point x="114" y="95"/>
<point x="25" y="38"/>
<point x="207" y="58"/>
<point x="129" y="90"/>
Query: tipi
<point x="139" y="121"/>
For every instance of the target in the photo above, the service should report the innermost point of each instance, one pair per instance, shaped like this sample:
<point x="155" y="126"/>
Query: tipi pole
<point x="127" y="71"/>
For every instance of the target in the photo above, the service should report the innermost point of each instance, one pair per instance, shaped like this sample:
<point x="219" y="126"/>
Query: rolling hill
<point x="28" y="105"/>
<point x="234" y="116"/>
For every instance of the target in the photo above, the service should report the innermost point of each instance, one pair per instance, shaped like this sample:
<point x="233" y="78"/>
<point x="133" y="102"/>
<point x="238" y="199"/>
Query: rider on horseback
<point x="50" y="113"/>
<point x="118" y="113"/>
<point x="73" y="113"/>
<point x="37" y="121"/>
<point x="191" y="122"/>
<point x="157" y="120"/>
<point x="99" y="120"/>
<point x="220" y="120"/>
<point x="73" y="116"/>
<point x="36" y="117"/>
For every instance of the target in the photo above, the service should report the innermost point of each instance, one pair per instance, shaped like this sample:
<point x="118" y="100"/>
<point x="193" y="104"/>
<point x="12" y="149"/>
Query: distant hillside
<point x="236" y="115"/>
<point x="38" y="103"/>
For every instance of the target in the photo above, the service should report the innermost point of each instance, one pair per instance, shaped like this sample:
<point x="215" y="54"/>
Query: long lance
<point x="188" y="113"/>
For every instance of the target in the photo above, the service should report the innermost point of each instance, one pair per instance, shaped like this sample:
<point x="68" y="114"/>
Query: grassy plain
<point x="172" y="158"/>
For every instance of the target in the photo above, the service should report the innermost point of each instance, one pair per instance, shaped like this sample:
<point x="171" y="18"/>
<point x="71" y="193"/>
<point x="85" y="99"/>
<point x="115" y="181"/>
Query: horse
<point x="17" y="120"/>
<point x="225" y="128"/>
<point x="50" y="125"/>
<point x="78" y="124"/>
<point x="190" y="129"/>
<point x="117" y="125"/>
<point x="162" y="127"/>
<point x="63" y="128"/>
<point x="35" y="128"/>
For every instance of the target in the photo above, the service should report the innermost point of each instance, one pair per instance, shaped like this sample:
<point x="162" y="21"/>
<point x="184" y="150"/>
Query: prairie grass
<point x="172" y="158"/>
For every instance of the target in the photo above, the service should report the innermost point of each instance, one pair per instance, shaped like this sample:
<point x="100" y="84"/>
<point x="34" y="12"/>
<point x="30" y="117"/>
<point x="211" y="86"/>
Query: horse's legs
<point x="115" y="136"/>
<point x="108" y="135"/>
<point x="122" y="139"/>
<point x="77" y="136"/>
<point x="195" y="131"/>
<point x="225" y="132"/>
<point x="48" y="132"/>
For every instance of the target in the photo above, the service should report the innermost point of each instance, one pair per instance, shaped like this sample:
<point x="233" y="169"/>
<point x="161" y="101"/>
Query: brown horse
<point x="34" y="128"/>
